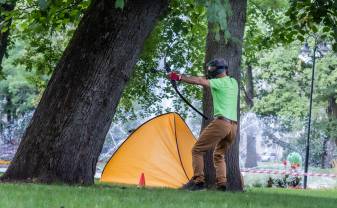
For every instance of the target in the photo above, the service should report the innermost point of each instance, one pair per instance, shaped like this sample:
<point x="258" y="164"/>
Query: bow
<point x="174" y="85"/>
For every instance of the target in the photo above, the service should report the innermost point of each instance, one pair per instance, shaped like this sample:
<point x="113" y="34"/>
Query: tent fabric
<point x="160" y="148"/>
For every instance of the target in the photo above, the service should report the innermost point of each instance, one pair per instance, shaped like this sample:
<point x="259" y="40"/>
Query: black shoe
<point x="186" y="186"/>
<point x="192" y="186"/>
<point x="221" y="188"/>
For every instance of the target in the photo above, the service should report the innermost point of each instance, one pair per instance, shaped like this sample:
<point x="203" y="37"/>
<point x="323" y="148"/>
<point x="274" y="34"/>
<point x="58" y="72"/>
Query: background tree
<point x="326" y="98"/>
<point x="262" y="17"/>
<point x="251" y="156"/>
<point x="282" y="92"/>
<point x="17" y="92"/>
<point x="6" y="6"/>
<point x="306" y="17"/>
<point x="18" y="98"/>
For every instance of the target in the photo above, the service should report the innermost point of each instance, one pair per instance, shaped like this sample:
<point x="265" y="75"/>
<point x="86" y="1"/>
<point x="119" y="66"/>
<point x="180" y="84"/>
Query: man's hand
<point x="174" y="76"/>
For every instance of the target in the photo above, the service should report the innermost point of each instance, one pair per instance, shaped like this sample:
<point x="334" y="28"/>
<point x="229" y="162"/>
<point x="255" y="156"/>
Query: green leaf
<point x="324" y="36"/>
<point x="303" y="32"/>
<point x="314" y="28"/>
<point x="300" y="37"/>
<point x="334" y="47"/>
<point x="119" y="4"/>
<point x="326" y="29"/>
<point x="4" y="29"/>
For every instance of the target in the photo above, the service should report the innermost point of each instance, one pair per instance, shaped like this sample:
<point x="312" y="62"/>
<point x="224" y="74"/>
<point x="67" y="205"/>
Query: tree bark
<point x="207" y="104"/>
<point x="328" y="152"/>
<point x="230" y="51"/>
<point x="4" y="36"/>
<point x="68" y="128"/>
<point x="324" y="153"/>
<point x="332" y="107"/>
<point x="249" y="87"/>
<point x="8" y="109"/>
<point x="251" y="157"/>
<point x="332" y="115"/>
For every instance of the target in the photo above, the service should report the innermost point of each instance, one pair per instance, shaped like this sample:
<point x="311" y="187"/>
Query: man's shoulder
<point x="230" y="80"/>
<point x="224" y="82"/>
<point x="225" y="79"/>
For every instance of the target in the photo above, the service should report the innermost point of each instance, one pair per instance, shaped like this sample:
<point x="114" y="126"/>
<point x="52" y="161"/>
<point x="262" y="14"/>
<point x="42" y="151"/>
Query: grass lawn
<point x="32" y="195"/>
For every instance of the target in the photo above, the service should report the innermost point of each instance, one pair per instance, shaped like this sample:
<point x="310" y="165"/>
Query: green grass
<point x="33" y="195"/>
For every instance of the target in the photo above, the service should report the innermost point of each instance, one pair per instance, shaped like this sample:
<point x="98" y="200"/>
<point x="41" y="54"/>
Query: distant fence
<point x="284" y="172"/>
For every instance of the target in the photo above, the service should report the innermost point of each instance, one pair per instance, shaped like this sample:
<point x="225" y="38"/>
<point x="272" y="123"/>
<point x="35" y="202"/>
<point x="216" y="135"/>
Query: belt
<point x="226" y="119"/>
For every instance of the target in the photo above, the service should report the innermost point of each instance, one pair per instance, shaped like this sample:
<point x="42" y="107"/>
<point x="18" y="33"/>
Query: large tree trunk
<point x="207" y="104"/>
<point x="251" y="157"/>
<point x="4" y="36"/>
<point x="67" y="131"/>
<point x="231" y="51"/>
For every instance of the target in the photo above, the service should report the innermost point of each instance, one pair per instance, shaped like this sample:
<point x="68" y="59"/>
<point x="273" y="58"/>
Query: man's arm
<point x="195" y="80"/>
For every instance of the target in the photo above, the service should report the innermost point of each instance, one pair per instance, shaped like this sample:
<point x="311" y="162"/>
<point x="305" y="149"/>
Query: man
<point x="221" y="132"/>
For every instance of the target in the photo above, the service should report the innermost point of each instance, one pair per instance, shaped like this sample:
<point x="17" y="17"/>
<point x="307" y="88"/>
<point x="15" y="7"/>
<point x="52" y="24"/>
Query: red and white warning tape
<point x="280" y="172"/>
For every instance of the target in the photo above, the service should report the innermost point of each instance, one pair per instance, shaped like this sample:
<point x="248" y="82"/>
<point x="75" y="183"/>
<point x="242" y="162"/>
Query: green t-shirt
<point x="225" y="97"/>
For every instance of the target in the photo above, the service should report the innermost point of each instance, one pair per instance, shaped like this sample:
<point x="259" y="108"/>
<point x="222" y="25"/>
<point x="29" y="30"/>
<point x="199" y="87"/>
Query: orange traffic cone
<point x="141" y="183"/>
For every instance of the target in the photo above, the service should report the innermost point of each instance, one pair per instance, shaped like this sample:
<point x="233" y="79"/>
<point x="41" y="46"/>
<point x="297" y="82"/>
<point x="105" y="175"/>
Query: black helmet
<point x="220" y="67"/>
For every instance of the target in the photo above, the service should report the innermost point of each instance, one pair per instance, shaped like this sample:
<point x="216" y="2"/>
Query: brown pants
<point x="219" y="134"/>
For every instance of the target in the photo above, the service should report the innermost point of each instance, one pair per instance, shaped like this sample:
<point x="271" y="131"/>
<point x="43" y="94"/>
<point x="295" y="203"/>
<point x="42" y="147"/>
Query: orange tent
<point x="160" y="148"/>
<point x="4" y="162"/>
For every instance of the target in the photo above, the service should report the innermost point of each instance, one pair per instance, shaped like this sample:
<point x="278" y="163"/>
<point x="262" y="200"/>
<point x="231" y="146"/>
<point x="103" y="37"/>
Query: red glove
<point x="174" y="76"/>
